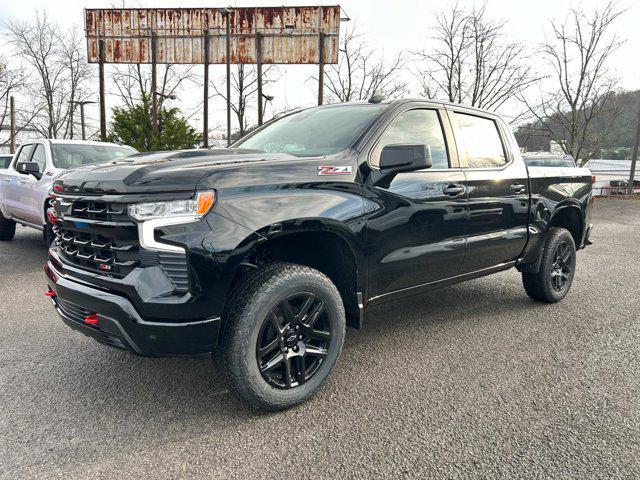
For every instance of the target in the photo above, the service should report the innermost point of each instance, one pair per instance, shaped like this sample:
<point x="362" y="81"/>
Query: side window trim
<point x="499" y="128"/>
<point x="443" y="127"/>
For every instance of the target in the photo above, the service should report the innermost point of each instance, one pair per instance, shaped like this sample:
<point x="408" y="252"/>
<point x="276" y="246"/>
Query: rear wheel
<point x="7" y="228"/>
<point x="554" y="278"/>
<point x="283" y="334"/>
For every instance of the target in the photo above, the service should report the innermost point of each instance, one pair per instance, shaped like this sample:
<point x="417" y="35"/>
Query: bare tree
<point x="360" y="73"/>
<point x="133" y="82"/>
<point x="244" y="87"/>
<point x="56" y="69"/>
<point x="577" y="53"/>
<point x="472" y="61"/>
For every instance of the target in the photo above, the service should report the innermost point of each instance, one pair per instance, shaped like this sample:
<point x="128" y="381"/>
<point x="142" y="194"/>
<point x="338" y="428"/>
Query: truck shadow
<point x="188" y="388"/>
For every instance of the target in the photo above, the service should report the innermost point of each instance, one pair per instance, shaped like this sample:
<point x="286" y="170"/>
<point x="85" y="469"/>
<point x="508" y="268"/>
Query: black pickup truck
<point x="264" y="252"/>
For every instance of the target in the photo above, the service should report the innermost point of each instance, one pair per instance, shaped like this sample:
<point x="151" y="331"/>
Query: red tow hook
<point x="91" y="319"/>
<point x="50" y="294"/>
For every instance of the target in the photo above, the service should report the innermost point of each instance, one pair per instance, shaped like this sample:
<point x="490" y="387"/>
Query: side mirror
<point x="405" y="158"/>
<point x="29" y="168"/>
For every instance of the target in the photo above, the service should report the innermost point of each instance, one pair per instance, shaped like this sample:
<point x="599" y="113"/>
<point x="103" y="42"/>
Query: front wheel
<point x="282" y="335"/>
<point x="553" y="280"/>
<point x="7" y="228"/>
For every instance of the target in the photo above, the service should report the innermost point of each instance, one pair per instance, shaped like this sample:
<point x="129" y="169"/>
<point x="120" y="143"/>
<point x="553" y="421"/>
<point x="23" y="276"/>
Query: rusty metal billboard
<point x="289" y="35"/>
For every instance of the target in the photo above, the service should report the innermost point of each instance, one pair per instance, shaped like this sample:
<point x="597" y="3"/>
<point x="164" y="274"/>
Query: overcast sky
<point x="388" y="27"/>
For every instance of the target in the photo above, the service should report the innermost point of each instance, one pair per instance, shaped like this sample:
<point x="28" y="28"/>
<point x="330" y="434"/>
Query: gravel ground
<point x="474" y="380"/>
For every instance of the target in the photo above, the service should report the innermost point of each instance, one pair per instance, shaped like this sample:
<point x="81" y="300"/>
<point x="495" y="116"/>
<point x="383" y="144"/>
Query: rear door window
<point x="478" y="140"/>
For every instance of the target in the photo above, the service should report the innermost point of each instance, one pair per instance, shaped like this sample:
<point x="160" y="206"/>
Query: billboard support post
<point x="205" y="108"/>
<point x="320" y="68"/>
<point x="154" y="95"/>
<point x="103" y="112"/>
<point x="228" y="58"/>
<point x="259" y="75"/>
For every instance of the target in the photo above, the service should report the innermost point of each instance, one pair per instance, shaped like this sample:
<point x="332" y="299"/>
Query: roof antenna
<point x="377" y="98"/>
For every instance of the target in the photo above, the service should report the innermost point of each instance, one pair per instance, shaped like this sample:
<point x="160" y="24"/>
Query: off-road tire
<point x="539" y="286"/>
<point x="251" y="300"/>
<point x="7" y="228"/>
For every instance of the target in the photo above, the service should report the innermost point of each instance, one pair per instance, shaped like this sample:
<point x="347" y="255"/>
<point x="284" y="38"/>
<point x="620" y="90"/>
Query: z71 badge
<point x="334" y="170"/>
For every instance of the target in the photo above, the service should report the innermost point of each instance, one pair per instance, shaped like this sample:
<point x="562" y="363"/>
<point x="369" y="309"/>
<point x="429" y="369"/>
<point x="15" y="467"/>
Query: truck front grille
<point x="100" y="237"/>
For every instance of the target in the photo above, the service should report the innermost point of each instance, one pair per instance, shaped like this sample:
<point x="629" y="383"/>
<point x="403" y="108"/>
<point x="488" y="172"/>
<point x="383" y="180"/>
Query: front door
<point x="14" y="184"/>
<point x="497" y="185"/>
<point x="416" y="228"/>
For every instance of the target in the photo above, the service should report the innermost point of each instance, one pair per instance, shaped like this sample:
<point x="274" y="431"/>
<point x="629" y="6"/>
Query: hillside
<point x="622" y="128"/>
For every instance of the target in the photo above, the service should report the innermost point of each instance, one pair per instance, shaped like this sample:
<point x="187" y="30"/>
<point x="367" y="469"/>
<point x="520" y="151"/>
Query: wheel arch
<point x="328" y="246"/>
<point x="569" y="217"/>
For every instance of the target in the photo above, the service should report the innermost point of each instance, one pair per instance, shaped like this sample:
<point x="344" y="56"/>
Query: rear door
<point x="497" y="185"/>
<point x="416" y="229"/>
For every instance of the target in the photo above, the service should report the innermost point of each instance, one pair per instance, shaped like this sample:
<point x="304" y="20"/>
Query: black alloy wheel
<point x="562" y="266"/>
<point x="293" y="341"/>
<point x="557" y="267"/>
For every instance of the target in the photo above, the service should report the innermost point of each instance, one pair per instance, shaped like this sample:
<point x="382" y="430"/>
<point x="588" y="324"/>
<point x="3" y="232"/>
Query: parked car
<point x="5" y="160"/>
<point x="549" y="160"/>
<point x="264" y="252"/>
<point x="25" y="185"/>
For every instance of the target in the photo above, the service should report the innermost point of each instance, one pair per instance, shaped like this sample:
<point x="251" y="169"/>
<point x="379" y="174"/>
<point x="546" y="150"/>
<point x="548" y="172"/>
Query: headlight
<point x="189" y="210"/>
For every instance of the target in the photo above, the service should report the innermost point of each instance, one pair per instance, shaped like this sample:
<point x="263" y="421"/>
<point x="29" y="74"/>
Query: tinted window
<point x="70" y="155"/>
<point x="314" y="132"/>
<point x="478" y="141"/>
<point x="5" y="160"/>
<point x="420" y="127"/>
<point x="39" y="157"/>
<point x="533" y="161"/>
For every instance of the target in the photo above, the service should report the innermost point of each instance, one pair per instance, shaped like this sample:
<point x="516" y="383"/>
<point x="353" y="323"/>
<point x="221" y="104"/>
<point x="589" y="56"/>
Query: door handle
<point x="518" y="188"/>
<point x="8" y="180"/>
<point x="453" y="190"/>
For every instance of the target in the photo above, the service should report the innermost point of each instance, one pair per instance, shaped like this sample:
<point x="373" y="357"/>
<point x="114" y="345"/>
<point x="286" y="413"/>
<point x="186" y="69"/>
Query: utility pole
<point x="82" y="125"/>
<point x="12" y="107"/>
<point x="634" y="157"/>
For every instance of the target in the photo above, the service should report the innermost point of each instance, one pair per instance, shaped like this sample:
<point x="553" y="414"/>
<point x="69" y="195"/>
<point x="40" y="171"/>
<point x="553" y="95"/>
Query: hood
<point x="160" y="172"/>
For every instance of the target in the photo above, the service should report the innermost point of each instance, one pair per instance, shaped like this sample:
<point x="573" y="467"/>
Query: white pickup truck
<point x="26" y="183"/>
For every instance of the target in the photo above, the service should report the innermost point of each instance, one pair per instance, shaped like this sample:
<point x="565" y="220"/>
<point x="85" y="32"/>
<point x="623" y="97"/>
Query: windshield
<point x="71" y="155"/>
<point x="314" y="132"/>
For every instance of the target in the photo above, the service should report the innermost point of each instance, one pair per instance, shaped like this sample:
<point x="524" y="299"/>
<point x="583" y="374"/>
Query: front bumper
<point x="119" y="324"/>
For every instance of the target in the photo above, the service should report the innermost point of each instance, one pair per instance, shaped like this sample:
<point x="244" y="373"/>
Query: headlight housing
<point x="189" y="210"/>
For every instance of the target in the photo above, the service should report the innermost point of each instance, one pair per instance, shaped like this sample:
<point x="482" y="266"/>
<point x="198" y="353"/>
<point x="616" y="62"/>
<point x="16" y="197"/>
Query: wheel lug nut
<point x="299" y="337"/>
<point x="297" y="327"/>
<point x="285" y="349"/>
<point x="295" y="349"/>
<point x="288" y="327"/>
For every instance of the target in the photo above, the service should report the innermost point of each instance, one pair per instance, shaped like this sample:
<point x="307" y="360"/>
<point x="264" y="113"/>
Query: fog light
<point x="91" y="319"/>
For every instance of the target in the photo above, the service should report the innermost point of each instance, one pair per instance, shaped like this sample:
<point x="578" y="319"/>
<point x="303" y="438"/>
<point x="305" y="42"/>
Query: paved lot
<point x="471" y="381"/>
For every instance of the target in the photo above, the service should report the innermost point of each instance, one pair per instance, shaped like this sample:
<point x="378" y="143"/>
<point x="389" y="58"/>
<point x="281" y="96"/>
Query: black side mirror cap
<point x="405" y="158"/>
<point x="29" y="168"/>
